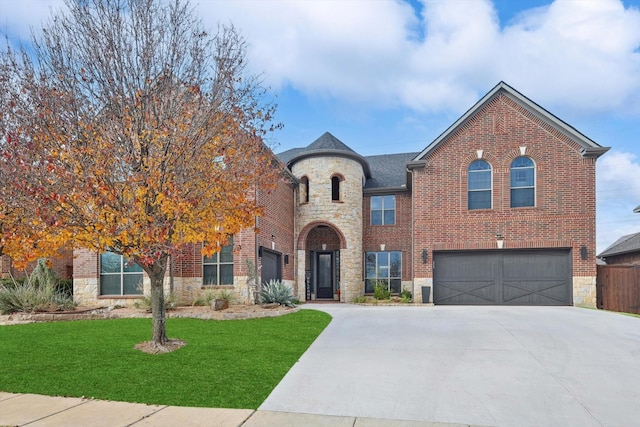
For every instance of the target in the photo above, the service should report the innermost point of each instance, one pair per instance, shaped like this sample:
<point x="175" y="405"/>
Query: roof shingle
<point x="625" y="244"/>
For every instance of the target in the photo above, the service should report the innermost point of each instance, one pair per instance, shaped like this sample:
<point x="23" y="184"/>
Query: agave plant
<point x="276" y="291"/>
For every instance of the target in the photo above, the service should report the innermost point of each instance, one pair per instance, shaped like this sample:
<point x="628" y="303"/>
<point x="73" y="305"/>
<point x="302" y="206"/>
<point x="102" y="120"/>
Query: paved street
<point x="504" y="366"/>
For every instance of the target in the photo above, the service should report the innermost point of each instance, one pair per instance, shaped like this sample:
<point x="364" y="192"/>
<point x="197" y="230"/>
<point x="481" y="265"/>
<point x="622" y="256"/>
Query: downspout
<point x="413" y="240"/>
<point x="256" y="252"/>
<point x="294" y="254"/>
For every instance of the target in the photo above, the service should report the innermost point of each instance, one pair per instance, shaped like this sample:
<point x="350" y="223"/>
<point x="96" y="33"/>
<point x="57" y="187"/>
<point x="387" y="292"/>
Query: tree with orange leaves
<point x="130" y="129"/>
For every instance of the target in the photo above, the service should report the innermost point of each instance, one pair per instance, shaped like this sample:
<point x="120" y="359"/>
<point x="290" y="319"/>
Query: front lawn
<point x="226" y="364"/>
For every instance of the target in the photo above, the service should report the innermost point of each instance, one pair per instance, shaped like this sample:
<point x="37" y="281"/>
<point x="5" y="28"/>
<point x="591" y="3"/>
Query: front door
<point x="324" y="275"/>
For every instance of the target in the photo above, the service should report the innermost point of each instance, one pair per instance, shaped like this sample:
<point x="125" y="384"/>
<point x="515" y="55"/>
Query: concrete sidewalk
<point x="45" y="411"/>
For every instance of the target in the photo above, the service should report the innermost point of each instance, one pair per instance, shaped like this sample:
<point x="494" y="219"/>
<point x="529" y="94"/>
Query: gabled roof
<point x="624" y="245"/>
<point x="326" y="145"/>
<point x="589" y="147"/>
<point x="388" y="171"/>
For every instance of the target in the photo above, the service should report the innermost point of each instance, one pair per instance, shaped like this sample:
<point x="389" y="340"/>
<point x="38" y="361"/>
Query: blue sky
<point x="388" y="76"/>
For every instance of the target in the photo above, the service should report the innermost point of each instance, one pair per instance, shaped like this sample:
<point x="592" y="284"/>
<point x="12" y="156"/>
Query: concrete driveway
<point x="493" y="366"/>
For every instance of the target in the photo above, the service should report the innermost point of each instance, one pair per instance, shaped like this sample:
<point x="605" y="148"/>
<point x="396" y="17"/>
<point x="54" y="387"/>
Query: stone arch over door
<point x="320" y="244"/>
<point x="304" y="233"/>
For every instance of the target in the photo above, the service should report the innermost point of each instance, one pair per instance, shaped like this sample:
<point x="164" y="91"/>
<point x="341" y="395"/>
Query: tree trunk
<point x="156" y="273"/>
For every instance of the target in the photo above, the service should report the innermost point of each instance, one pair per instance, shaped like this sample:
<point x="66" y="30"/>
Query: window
<point x="523" y="184"/>
<point x="304" y="190"/>
<point x="218" y="268"/>
<point x="335" y="188"/>
<point x="479" y="185"/>
<point x="385" y="268"/>
<point x="119" y="275"/>
<point x="383" y="210"/>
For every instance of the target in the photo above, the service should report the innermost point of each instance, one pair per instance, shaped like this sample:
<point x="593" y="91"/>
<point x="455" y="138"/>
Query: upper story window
<point x="217" y="269"/>
<point x="335" y="188"/>
<point x="479" y="185"/>
<point x="523" y="182"/>
<point x="119" y="275"/>
<point x="304" y="190"/>
<point x="383" y="210"/>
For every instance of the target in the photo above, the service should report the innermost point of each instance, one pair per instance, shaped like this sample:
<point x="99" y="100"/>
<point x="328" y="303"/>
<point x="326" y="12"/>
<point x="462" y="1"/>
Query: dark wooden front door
<point x="324" y="276"/>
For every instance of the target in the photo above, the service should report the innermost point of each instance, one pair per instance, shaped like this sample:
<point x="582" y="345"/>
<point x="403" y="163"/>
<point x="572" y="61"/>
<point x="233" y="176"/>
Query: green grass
<point x="226" y="364"/>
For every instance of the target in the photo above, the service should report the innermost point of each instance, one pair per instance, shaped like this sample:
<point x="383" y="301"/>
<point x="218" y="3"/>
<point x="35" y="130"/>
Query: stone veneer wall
<point x="344" y="216"/>
<point x="584" y="291"/>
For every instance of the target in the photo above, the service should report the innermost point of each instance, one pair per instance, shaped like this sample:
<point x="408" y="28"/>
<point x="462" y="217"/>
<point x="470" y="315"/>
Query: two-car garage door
<point x="503" y="277"/>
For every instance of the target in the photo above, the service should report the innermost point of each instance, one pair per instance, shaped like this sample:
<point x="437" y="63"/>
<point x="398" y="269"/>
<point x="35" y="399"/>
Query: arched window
<point x="479" y="185"/>
<point x="335" y="188"/>
<point x="304" y="190"/>
<point x="523" y="182"/>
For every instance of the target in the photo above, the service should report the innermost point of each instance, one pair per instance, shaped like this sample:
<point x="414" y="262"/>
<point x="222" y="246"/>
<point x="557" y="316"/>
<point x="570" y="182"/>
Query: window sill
<point x="337" y="201"/>
<point x="217" y="287"/>
<point x="120" y="296"/>
<point x="523" y="207"/>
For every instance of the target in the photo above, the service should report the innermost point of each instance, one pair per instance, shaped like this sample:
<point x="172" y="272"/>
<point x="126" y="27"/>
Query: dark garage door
<point x="503" y="277"/>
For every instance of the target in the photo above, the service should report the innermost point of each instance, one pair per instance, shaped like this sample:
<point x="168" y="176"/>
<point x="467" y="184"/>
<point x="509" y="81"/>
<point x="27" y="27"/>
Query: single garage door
<point x="503" y="277"/>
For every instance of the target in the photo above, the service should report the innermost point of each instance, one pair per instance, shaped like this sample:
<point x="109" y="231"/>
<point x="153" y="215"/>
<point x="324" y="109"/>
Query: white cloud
<point x="574" y="54"/>
<point x="618" y="193"/>
<point x="578" y="54"/>
<point x="18" y="17"/>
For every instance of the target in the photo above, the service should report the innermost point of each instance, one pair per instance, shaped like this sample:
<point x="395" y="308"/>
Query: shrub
<point x="204" y="298"/>
<point x="170" y="302"/>
<point x="360" y="300"/>
<point x="405" y="295"/>
<point x="276" y="291"/>
<point x="65" y="287"/>
<point x="40" y="291"/>
<point x="380" y="291"/>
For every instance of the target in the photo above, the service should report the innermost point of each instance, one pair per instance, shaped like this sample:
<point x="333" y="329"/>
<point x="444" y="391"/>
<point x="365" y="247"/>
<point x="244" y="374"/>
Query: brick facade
<point x="395" y="237"/>
<point x="62" y="265"/>
<point x="564" y="211"/>
<point x="324" y="205"/>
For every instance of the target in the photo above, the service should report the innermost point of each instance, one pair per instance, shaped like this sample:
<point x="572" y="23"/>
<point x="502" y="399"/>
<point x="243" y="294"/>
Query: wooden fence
<point x="618" y="288"/>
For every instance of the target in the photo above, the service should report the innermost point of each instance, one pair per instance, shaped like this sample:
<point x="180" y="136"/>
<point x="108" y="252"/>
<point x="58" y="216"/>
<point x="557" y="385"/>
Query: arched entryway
<point x="322" y="243"/>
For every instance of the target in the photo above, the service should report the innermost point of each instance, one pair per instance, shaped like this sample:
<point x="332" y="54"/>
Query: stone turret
<point x="332" y="177"/>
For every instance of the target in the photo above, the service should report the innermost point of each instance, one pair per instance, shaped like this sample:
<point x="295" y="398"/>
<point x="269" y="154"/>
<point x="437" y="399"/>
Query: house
<point x="625" y="250"/>
<point x="499" y="209"/>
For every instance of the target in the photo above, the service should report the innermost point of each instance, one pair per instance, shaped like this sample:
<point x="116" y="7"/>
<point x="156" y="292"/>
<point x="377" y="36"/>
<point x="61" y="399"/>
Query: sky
<point x="389" y="76"/>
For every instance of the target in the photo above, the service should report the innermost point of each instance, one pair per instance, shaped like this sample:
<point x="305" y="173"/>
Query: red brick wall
<point x="395" y="237"/>
<point x="277" y="221"/>
<point x="85" y="264"/>
<point x="62" y="265"/>
<point x="564" y="214"/>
